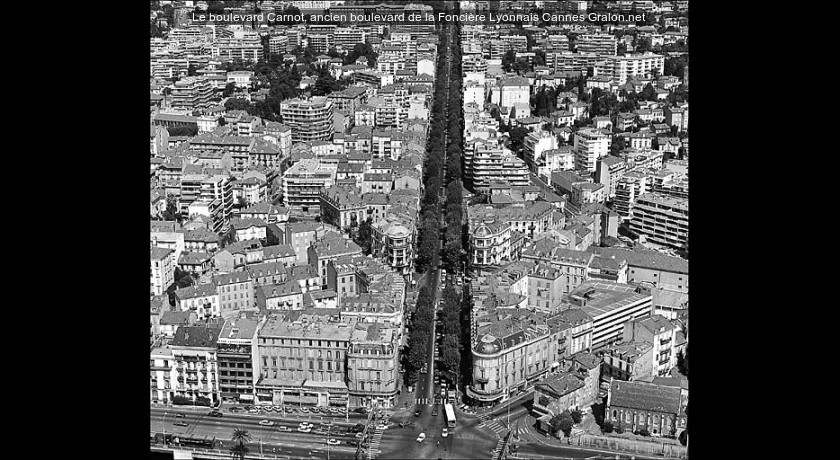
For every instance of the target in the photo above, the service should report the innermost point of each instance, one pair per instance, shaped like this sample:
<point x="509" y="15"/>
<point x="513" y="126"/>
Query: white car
<point x="333" y="442"/>
<point x="445" y="432"/>
<point x="382" y="427"/>
<point x="266" y="423"/>
<point x="421" y="437"/>
<point x="306" y="425"/>
<point x="304" y="430"/>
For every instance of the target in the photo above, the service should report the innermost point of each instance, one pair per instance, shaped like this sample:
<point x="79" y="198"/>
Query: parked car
<point x="445" y="432"/>
<point x="333" y="442"/>
<point x="215" y="413"/>
<point x="304" y="410"/>
<point x="284" y="428"/>
<point x="304" y="430"/>
<point x="353" y="443"/>
<point x="422" y="437"/>
<point x="266" y="423"/>
<point x="179" y="415"/>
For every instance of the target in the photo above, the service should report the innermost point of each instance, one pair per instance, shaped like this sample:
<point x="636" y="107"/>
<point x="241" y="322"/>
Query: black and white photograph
<point x="419" y="230"/>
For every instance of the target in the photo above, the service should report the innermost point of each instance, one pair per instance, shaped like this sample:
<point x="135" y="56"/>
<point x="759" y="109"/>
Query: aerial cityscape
<point x="425" y="230"/>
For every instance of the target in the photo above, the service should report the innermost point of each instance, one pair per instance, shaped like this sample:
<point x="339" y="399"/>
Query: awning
<point x="555" y="364"/>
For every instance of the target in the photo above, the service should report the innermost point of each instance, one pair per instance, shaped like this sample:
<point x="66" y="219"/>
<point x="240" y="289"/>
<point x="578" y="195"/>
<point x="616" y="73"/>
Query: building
<point x="602" y="44"/>
<point x="611" y="305"/>
<point x="302" y="183"/>
<point x="590" y="146"/>
<point x="162" y="262"/>
<point x="392" y="239"/>
<point x="309" y="119"/>
<point x="627" y="361"/>
<point x="372" y="365"/>
<point x="659" y="409"/>
<point x="202" y="299"/>
<point x="623" y="68"/>
<point x="302" y="359"/>
<point x="660" y="332"/>
<point x="609" y="171"/>
<point x="235" y="353"/>
<point x="194" y="373"/>
<point x="192" y="93"/>
<point x="662" y="219"/>
<point x="332" y="246"/>
<point x="677" y="116"/>
<point x="651" y="267"/>
<point x="236" y="292"/>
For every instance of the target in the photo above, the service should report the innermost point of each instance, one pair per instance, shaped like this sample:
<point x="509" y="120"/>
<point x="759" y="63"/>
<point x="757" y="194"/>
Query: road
<point x="270" y="438"/>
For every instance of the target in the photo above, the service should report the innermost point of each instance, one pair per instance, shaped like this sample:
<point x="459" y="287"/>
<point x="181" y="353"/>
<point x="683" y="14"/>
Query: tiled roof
<point x="196" y="336"/>
<point x="645" y="396"/>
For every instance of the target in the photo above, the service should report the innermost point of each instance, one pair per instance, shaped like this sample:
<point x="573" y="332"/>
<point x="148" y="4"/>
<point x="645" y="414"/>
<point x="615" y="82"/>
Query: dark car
<point x="417" y="413"/>
<point x="353" y="443"/>
<point x="358" y="428"/>
<point x="215" y="413"/>
<point x="180" y="423"/>
<point x="235" y="409"/>
<point x="360" y="410"/>
<point x="435" y="412"/>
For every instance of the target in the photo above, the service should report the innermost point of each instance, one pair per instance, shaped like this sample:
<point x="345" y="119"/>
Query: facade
<point x="301" y="359"/>
<point x="372" y="365"/>
<point x="659" y="409"/>
<point x="662" y="219"/>
<point x="302" y="183"/>
<point x="331" y="247"/>
<point x="236" y="292"/>
<point x="191" y="93"/>
<point x="235" y="351"/>
<point x="623" y="68"/>
<point x="203" y="299"/>
<point x="392" y="239"/>
<point x="590" y="146"/>
<point x="309" y="119"/>
<point x="660" y="332"/>
<point x="611" y="305"/>
<point x="193" y="372"/>
<point x="162" y="267"/>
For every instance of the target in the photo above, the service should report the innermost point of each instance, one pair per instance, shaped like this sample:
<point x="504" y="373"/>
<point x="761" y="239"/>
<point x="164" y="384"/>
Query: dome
<point x="397" y="231"/>
<point x="489" y="345"/>
<point x="483" y="231"/>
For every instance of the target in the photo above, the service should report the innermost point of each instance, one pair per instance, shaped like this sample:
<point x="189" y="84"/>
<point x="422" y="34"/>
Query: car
<point x="327" y="423"/>
<point x="360" y="435"/>
<point x="417" y="413"/>
<point x="320" y="431"/>
<point x="382" y="427"/>
<point x="290" y="410"/>
<point x="437" y="379"/>
<point x="304" y="410"/>
<point x="215" y="413"/>
<point x="180" y="423"/>
<point x="404" y="424"/>
<point x="422" y="437"/>
<point x="435" y="412"/>
<point x="353" y="443"/>
<point x="284" y="428"/>
<point x="253" y="410"/>
<point x="179" y="415"/>
<point x="445" y="432"/>
<point x="304" y="430"/>
<point x="235" y="409"/>
<point x="266" y="423"/>
<point x="333" y="442"/>
<point x="425" y="369"/>
<point x="305" y="424"/>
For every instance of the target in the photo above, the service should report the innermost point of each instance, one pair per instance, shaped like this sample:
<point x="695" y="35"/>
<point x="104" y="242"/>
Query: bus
<point x="450" y="415"/>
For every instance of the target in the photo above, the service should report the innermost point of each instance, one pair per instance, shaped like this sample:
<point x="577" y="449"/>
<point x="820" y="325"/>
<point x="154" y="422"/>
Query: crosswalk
<point x="426" y="401"/>
<point x="492" y="424"/>
<point x="375" y="440"/>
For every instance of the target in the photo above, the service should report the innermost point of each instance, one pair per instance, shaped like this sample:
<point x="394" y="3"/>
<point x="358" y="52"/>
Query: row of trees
<point x="564" y="421"/>
<point x="453" y="248"/>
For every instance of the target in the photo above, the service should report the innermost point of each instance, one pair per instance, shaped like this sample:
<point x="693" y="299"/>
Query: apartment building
<point x="236" y="292"/>
<point x="309" y="119"/>
<point x="590" y="146"/>
<point x="611" y="305"/>
<point x="392" y="240"/>
<point x="623" y="68"/>
<point x="203" y="299"/>
<point x="602" y="44"/>
<point x="571" y="264"/>
<point x="373" y="365"/>
<point x="331" y="247"/>
<point x="301" y="359"/>
<point x="187" y="368"/>
<point x="191" y="93"/>
<point x="487" y="162"/>
<point x="235" y="352"/>
<point x="661" y="333"/>
<point x="662" y="219"/>
<point x="609" y="172"/>
<point x="342" y="207"/>
<point x="302" y="183"/>
<point x="162" y="268"/>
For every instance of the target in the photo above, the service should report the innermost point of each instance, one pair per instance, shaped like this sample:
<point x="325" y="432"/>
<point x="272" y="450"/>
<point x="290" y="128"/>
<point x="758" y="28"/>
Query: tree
<point x="517" y="137"/>
<point x="566" y="425"/>
<point x="190" y="130"/>
<point x="237" y="104"/>
<point x="607" y="427"/>
<point x="648" y="93"/>
<point x="363" y="236"/>
<point x="577" y="416"/>
<point x="229" y="89"/>
<point x="682" y="362"/>
<point x="240" y="437"/>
